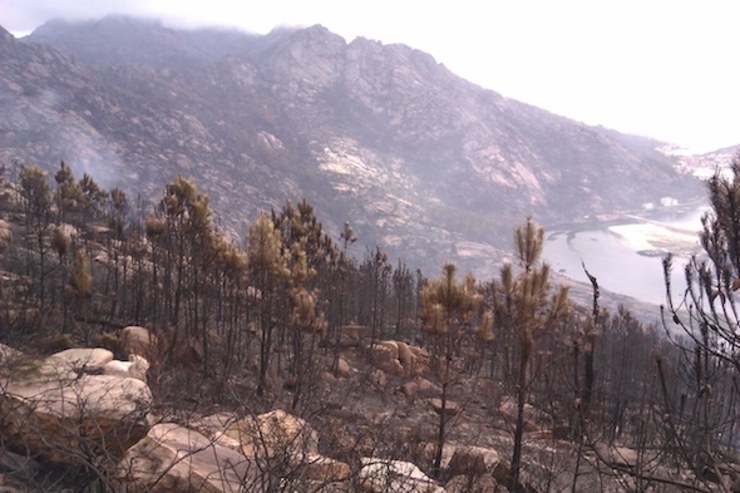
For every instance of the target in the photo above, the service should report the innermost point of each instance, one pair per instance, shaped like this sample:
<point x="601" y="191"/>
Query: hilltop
<point x="421" y="162"/>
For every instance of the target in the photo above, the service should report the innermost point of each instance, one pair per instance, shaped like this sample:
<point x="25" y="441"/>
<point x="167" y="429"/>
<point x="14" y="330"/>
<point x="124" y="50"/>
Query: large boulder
<point x="426" y="387"/>
<point x="533" y="417"/>
<point x="409" y="389"/>
<point x="71" y="363"/>
<point x="384" y="355"/>
<point x="273" y="434"/>
<point x="174" y="459"/>
<point x="378" y="378"/>
<point x="406" y="356"/>
<point x="397" y="357"/>
<point x="343" y="368"/>
<point x="395" y="476"/>
<point x="420" y="354"/>
<point x="467" y="460"/>
<point x="135" y="368"/>
<point x="355" y="332"/>
<point x="59" y="410"/>
<point x="472" y="484"/>
<point x="136" y="340"/>
<point x="324" y="470"/>
<point x="450" y="408"/>
<point x="420" y="386"/>
<point x="471" y="461"/>
<point x="391" y="346"/>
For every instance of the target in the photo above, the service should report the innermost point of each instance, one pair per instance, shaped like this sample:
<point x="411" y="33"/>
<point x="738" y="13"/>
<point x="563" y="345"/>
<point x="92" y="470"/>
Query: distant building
<point x="668" y="201"/>
<point x="704" y="173"/>
<point x="648" y="206"/>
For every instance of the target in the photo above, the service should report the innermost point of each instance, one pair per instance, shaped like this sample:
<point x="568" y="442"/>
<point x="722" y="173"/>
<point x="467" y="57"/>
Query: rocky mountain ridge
<point x="418" y="160"/>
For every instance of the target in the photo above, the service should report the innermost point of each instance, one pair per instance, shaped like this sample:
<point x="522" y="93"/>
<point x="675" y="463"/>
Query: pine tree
<point x="525" y="305"/>
<point x="267" y="265"/>
<point x="342" y="270"/>
<point x="403" y="282"/>
<point x="36" y="196"/>
<point x="706" y="318"/>
<point x="68" y="195"/>
<point x="448" y="310"/>
<point x="79" y="289"/>
<point x="306" y="319"/>
<point x="116" y="212"/>
<point x="94" y="198"/>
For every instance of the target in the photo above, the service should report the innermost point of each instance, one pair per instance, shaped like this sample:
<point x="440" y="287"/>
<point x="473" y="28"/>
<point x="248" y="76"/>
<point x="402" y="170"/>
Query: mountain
<point x="418" y="160"/>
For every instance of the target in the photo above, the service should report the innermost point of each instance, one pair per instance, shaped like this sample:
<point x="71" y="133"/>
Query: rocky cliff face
<point x="420" y="161"/>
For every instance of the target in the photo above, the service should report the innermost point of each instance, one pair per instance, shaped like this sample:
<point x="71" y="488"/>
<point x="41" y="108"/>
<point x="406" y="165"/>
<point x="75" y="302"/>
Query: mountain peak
<point x="106" y="26"/>
<point x="418" y="160"/>
<point x="315" y="37"/>
<point x="6" y="36"/>
<point x="120" y="39"/>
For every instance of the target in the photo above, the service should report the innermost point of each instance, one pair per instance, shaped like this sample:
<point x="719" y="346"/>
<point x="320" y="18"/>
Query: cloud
<point x="27" y="15"/>
<point x="659" y="68"/>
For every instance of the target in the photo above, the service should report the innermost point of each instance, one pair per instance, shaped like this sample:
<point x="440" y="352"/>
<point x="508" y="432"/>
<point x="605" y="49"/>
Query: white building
<point x="668" y="201"/>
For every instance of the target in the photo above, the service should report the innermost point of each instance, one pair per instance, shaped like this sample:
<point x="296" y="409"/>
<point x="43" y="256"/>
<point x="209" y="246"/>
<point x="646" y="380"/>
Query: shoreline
<point x="650" y="236"/>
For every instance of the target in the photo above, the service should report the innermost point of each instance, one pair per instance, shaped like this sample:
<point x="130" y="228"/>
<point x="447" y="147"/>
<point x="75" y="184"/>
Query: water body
<point x="617" y="265"/>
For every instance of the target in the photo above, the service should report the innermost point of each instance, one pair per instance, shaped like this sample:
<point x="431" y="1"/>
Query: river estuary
<point x="626" y="256"/>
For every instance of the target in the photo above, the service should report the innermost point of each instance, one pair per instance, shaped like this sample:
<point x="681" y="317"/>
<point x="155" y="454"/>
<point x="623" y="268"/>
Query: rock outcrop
<point x="450" y="408"/>
<point x="275" y="433"/>
<point x="136" y="340"/>
<point x="63" y="408"/>
<point x="398" y="358"/>
<point x="324" y="470"/>
<point x="465" y="460"/>
<point x="479" y="484"/>
<point x="386" y="475"/>
<point x="174" y="459"/>
<point x="136" y="368"/>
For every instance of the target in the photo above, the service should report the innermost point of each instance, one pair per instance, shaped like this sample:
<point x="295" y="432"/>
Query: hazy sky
<point x="662" y="68"/>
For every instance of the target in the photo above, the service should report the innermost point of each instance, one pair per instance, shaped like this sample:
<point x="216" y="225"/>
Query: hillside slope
<point x="420" y="161"/>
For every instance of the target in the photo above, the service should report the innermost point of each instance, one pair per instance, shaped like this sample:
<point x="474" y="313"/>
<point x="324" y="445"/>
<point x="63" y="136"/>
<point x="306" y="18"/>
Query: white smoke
<point x="58" y="134"/>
